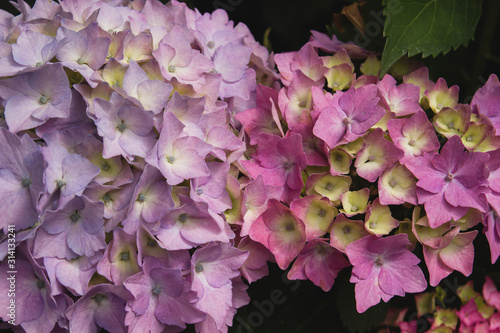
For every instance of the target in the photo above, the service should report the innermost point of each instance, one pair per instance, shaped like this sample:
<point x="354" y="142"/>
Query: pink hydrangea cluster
<point x="476" y="312"/>
<point x="152" y="161"/>
<point x="367" y="168"/>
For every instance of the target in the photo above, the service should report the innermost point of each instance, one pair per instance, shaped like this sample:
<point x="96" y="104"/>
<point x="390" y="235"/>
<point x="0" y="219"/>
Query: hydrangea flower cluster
<point x="118" y="158"/>
<point x="369" y="168"/>
<point x="383" y="165"/>
<point x="476" y="312"/>
<point x="152" y="161"/>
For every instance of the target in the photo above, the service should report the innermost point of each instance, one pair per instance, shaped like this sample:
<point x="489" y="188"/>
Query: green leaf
<point x="427" y="26"/>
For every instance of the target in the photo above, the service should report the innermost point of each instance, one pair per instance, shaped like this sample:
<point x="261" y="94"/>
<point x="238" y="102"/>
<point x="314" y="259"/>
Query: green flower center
<point x="183" y="217"/>
<point x="40" y="284"/>
<point x="121" y="127"/>
<point x="75" y="217"/>
<point x="98" y="298"/>
<point x="156" y="290"/>
<point x="105" y="166"/>
<point x="43" y="100"/>
<point x="26" y="182"/>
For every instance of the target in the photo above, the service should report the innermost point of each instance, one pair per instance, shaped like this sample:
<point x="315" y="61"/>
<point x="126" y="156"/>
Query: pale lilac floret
<point x="161" y="297"/>
<point x="212" y="269"/>
<point x="231" y="61"/>
<point x="151" y="95"/>
<point x="33" y="49"/>
<point x="75" y="230"/>
<point x="119" y="260"/>
<point x="177" y="155"/>
<point x="70" y="173"/>
<point x="383" y="268"/>
<point x="305" y="60"/>
<point x="178" y="60"/>
<point x="212" y="189"/>
<point x="255" y="266"/>
<point x="148" y="245"/>
<point x="215" y="30"/>
<point x="36" y="310"/>
<point x="80" y="10"/>
<point x="451" y="181"/>
<point x="102" y="307"/>
<point x="8" y="66"/>
<point x="21" y="180"/>
<point x="151" y="200"/>
<point x="74" y="274"/>
<point x="189" y="225"/>
<point x="84" y="52"/>
<point x="33" y="98"/>
<point x="126" y="129"/>
<point x="115" y="199"/>
<point x="188" y="110"/>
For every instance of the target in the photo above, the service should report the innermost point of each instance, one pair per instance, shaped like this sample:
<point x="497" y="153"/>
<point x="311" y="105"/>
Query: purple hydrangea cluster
<point x="152" y="162"/>
<point x="118" y="157"/>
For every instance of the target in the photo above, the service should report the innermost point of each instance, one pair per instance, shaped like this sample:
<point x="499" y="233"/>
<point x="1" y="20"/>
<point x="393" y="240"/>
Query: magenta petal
<point x="414" y="279"/>
<point x="459" y="255"/>
<point x="367" y="293"/>
<point x="330" y="126"/>
<point x="383" y="267"/>
<point x="284" y="249"/>
<point x="437" y="269"/>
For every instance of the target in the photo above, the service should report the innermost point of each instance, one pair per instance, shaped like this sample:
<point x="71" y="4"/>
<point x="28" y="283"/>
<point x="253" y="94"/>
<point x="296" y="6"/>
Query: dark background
<point x="302" y="306"/>
<point x="291" y="20"/>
